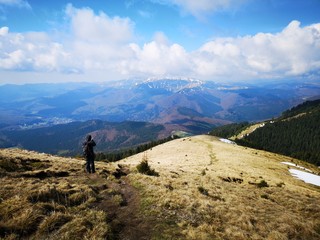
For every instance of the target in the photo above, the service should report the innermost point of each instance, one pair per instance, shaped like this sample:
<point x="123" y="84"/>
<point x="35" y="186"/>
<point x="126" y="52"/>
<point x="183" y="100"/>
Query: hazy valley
<point x="152" y="100"/>
<point x="54" y="118"/>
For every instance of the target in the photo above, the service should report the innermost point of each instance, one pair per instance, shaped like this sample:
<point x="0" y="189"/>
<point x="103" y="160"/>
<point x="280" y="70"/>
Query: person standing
<point x="89" y="154"/>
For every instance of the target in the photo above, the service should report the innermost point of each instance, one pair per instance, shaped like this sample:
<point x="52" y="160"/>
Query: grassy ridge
<point x="203" y="189"/>
<point x="47" y="197"/>
<point x="207" y="189"/>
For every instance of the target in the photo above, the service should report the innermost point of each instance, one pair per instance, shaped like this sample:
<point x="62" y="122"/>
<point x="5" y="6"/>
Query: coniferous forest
<point x="123" y="153"/>
<point x="229" y="130"/>
<point x="296" y="133"/>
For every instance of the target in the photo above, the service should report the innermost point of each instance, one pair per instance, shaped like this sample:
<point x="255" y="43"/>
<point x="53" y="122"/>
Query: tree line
<point x="296" y="133"/>
<point x="297" y="137"/>
<point x="124" y="153"/>
<point x="229" y="130"/>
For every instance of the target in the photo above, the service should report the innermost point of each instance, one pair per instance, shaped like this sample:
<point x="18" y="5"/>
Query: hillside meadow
<point x="205" y="189"/>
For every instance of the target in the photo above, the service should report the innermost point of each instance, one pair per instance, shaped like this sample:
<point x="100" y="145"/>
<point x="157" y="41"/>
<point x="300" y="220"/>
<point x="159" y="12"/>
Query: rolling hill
<point x="206" y="189"/>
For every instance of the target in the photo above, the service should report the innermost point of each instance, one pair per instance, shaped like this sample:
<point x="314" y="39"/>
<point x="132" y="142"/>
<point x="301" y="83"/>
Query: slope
<point x="48" y="197"/>
<point x="295" y="133"/>
<point x="206" y="189"/>
<point x="66" y="139"/>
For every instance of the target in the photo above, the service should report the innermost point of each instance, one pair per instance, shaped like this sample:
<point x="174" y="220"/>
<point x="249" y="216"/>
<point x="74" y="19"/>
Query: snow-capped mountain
<point x="192" y="104"/>
<point x="171" y="84"/>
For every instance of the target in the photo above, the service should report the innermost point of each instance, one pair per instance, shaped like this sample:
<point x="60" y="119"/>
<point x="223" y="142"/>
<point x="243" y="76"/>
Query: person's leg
<point x="93" y="169"/>
<point x="88" y="166"/>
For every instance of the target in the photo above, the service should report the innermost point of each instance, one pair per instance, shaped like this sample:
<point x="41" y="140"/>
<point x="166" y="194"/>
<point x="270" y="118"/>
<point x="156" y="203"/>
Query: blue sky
<point x="102" y="40"/>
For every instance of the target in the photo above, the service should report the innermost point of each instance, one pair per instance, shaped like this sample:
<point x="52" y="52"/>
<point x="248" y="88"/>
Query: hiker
<point x="89" y="154"/>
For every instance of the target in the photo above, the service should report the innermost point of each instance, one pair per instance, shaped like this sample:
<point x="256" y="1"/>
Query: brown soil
<point x="125" y="219"/>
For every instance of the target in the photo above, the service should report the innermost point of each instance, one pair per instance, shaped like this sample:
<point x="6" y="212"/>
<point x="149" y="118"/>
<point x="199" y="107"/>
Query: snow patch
<point x="306" y="177"/>
<point x="226" y="141"/>
<point x="297" y="166"/>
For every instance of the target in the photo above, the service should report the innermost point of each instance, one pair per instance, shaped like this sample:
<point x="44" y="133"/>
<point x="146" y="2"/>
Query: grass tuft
<point x="262" y="184"/>
<point x="53" y="222"/>
<point x="8" y="165"/>
<point x="203" y="191"/>
<point x="144" y="168"/>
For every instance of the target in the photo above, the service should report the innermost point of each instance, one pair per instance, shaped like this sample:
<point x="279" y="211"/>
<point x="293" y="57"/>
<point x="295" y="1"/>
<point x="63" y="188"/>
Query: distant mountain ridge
<point x="66" y="139"/>
<point x="173" y="84"/>
<point x="185" y="101"/>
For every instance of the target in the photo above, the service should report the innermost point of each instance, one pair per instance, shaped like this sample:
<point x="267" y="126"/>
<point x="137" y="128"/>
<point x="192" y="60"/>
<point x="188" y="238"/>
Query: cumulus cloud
<point x="292" y="52"/>
<point x="94" y="42"/>
<point x="99" y="43"/>
<point x="98" y="40"/>
<point x="156" y="58"/>
<point x="88" y="27"/>
<point x="31" y="51"/>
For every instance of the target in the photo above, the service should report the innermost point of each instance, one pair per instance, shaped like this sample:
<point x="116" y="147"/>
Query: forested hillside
<point x="296" y="133"/>
<point x="229" y="130"/>
<point x="66" y="139"/>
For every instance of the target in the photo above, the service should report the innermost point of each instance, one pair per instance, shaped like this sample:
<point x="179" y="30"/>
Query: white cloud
<point x="17" y="3"/>
<point x="94" y="42"/>
<point x="4" y="31"/>
<point x="105" y="46"/>
<point x="199" y="8"/>
<point x="32" y="52"/>
<point x="292" y="52"/>
<point x="156" y="58"/>
<point x="100" y="41"/>
<point x="88" y="27"/>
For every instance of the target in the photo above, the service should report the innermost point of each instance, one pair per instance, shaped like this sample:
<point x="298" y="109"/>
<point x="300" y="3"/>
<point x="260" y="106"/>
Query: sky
<point x="105" y="40"/>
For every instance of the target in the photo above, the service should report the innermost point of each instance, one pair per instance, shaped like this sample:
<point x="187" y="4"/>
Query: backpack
<point x="85" y="149"/>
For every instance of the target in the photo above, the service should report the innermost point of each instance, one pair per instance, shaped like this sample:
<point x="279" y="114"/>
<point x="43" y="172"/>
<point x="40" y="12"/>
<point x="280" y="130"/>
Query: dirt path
<point x="125" y="219"/>
<point x="135" y="226"/>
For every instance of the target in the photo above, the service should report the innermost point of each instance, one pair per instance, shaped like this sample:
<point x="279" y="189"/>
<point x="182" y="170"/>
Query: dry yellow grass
<point x="206" y="189"/>
<point x="48" y="197"/>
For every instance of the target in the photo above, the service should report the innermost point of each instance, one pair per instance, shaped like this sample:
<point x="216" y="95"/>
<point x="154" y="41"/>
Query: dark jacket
<point x="91" y="144"/>
<point x="88" y="148"/>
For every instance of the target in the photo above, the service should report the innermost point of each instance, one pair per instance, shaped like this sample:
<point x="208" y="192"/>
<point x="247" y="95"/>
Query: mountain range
<point x="182" y="101"/>
<point x="55" y="118"/>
